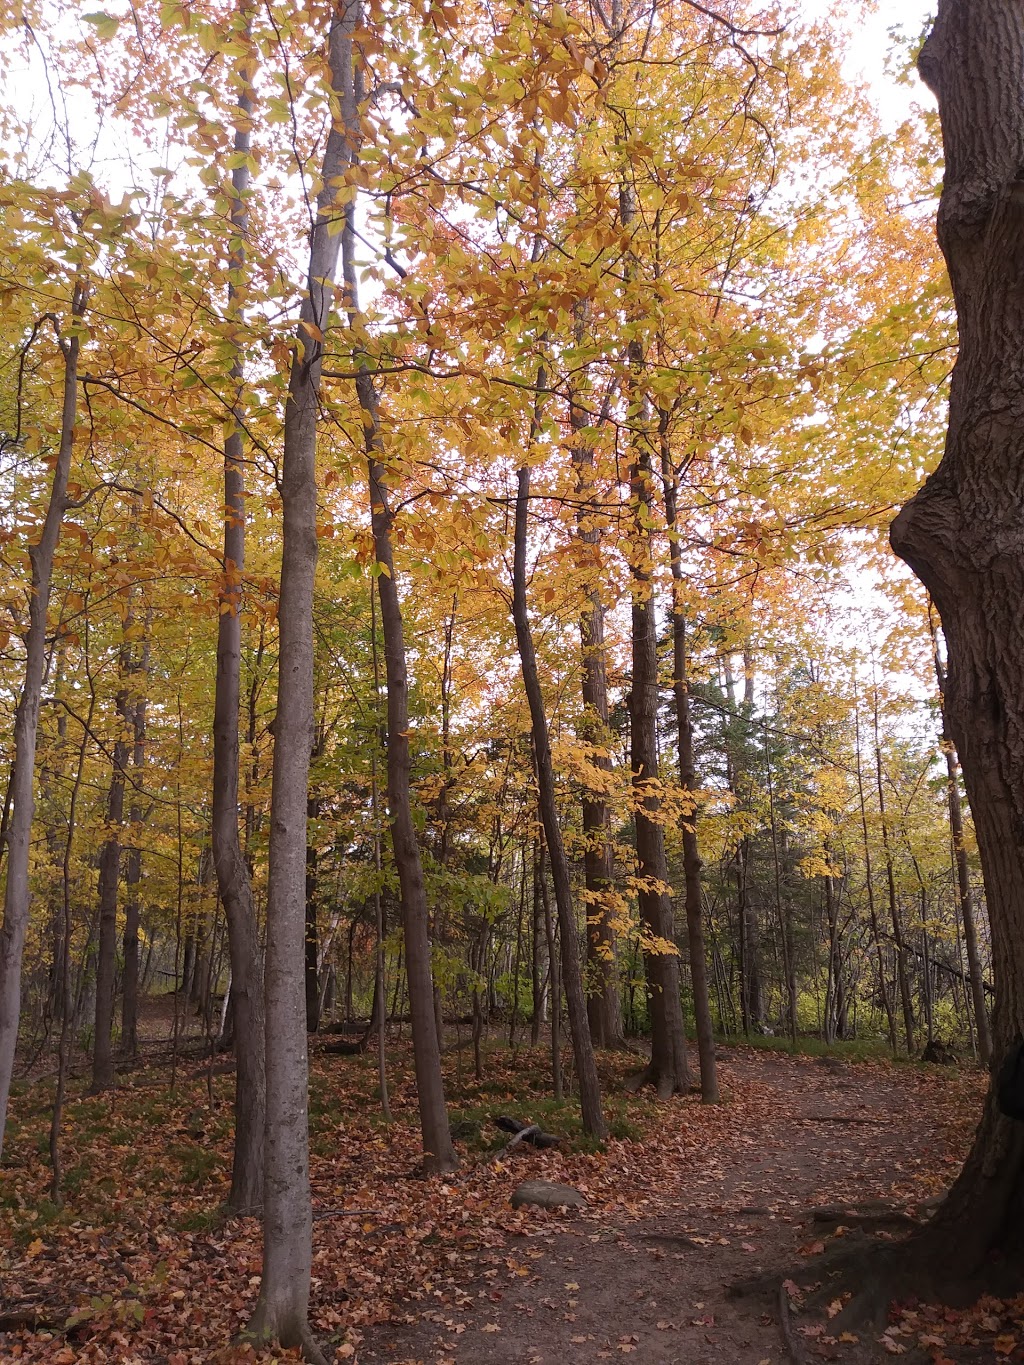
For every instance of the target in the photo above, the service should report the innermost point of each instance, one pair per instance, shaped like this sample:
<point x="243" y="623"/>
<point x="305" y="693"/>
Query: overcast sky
<point x="870" y="47"/>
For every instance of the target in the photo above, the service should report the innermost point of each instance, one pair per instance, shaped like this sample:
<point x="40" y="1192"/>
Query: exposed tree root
<point x="257" y="1335"/>
<point x="793" y="1347"/>
<point x="868" y="1215"/>
<point x="870" y="1274"/>
<point x="665" y="1084"/>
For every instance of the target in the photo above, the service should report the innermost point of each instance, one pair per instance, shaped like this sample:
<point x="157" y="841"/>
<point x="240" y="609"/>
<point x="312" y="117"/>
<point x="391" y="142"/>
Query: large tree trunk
<point x="282" y="1308"/>
<point x="572" y="978"/>
<point x="233" y="880"/>
<point x="963" y="535"/>
<point x="26" y="722"/>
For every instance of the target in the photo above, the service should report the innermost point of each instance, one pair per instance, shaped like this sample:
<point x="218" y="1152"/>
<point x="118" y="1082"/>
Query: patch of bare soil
<point x="578" y="1288"/>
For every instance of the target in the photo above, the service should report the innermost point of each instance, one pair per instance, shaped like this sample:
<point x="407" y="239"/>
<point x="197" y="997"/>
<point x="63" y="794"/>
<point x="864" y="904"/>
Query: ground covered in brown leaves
<point x="684" y="1200"/>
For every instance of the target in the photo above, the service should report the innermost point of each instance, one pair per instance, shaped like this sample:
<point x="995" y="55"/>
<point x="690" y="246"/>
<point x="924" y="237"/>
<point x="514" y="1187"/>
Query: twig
<point x="346" y="1213"/>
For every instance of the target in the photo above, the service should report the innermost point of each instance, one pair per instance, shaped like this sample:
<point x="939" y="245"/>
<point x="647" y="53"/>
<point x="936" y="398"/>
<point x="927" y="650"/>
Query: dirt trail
<point x="584" y="1288"/>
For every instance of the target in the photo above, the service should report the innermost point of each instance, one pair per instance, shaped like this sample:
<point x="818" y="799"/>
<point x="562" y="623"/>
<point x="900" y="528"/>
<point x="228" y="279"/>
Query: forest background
<point x="616" y="336"/>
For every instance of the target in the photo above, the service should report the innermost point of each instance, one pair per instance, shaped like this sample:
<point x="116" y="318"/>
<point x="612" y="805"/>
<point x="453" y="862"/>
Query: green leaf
<point x="105" y="24"/>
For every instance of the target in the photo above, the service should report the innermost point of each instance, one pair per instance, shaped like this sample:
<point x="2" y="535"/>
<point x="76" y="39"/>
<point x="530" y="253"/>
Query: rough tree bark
<point x="233" y="879"/>
<point x="281" y="1311"/>
<point x="963" y="535"/>
<point x="26" y="720"/>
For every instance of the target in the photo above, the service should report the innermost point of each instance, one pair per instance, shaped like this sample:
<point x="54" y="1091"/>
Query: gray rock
<point x="546" y="1194"/>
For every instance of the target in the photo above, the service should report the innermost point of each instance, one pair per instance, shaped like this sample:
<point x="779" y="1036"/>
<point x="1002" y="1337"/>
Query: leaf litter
<point x="140" y="1266"/>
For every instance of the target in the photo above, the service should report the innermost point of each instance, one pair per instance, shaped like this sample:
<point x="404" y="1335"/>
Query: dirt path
<point x="577" y="1289"/>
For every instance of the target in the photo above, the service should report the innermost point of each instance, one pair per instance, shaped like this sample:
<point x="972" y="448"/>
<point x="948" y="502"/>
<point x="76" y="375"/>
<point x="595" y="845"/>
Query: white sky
<point x="870" y="46"/>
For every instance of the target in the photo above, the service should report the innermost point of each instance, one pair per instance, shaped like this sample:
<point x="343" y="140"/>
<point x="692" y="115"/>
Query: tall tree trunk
<point x="281" y="1311"/>
<point x="67" y="1020"/>
<point x="572" y="976"/>
<point x="438" y="1150"/>
<point x="668" y="1069"/>
<point x="604" y="1007"/>
<point x="783" y="910"/>
<point x="539" y="976"/>
<point x="233" y="881"/>
<point x="962" y="535"/>
<point x="876" y="937"/>
<point x="26" y="720"/>
<point x="688" y="778"/>
<point x="133" y="865"/>
<point x="898" y="938"/>
<point x="438" y="931"/>
<point x="106" y="950"/>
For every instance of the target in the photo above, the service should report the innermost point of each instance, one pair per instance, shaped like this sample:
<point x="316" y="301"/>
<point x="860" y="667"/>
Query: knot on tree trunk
<point x="927" y="535"/>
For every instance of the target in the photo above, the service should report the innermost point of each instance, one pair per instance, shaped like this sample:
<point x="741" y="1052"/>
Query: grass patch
<point x="853" y="1050"/>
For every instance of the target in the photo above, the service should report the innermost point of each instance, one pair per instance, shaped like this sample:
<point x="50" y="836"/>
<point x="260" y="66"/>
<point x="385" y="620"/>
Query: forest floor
<point x="685" y="1199"/>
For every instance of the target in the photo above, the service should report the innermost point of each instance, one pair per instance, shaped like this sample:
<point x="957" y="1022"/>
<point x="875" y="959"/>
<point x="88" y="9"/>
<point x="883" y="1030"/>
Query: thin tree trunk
<point x="312" y="959"/>
<point x="538" y="974"/>
<point x="67" y="1022"/>
<point x="963" y="872"/>
<point x="782" y="909"/>
<point x="668" y="1069"/>
<point x="870" y="887"/>
<point x="133" y="863"/>
<point x="572" y="977"/>
<point x="281" y="1311"/>
<point x="692" y="864"/>
<point x="902" y="973"/>
<point x="108" y="883"/>
<point x="604" y="1007"/>
<point x="26" y="721"/>
<point x="554" y="984"/>
<point x="438" y="1150"/>
<point x="233" y="879"/>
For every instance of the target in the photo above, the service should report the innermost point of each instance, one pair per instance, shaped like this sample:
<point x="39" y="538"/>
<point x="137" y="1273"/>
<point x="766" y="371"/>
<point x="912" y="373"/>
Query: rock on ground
<point x="547" y="1194"/>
